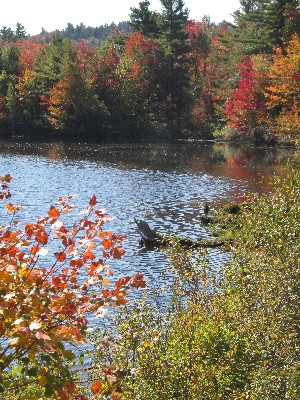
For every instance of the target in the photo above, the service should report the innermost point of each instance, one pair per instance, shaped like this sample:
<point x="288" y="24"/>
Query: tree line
<point x="164" y="77"/>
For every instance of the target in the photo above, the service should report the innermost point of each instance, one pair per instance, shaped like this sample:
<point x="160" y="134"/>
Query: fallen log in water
<point x="151" y="239"/>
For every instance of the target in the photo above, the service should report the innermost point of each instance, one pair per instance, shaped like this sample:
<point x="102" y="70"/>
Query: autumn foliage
<point x="53" y="276"/>
<point x="283" y="93"/>
<point x="169" y="76"/>
<point x="243" y="107"/>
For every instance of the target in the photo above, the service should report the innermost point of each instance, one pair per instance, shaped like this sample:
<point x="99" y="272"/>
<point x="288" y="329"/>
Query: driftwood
<point x="151" y="239"/>
<point x="207" y="219"/>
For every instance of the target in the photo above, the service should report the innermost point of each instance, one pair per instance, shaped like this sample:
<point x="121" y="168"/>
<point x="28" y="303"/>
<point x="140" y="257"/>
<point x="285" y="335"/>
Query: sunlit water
<point x="165" y="185"/>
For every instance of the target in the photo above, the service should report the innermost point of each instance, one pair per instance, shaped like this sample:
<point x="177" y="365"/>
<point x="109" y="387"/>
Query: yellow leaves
<point x="23" y="272"/>
<point x="9" y="314"/>
<point x="284" y="75"/>
<point x="283" y="92"/>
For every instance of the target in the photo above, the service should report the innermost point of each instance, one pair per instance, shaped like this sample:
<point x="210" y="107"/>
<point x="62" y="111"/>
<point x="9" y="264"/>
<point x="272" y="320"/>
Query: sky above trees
<point x="35" y="15"/>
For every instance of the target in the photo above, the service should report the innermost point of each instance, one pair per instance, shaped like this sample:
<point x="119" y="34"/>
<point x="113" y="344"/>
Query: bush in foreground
<point x="53" y="275"/>
<point x="229" y="335"/>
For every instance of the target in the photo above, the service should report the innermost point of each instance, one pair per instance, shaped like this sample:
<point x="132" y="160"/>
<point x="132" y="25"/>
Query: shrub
<point x="52" y="277"/>
<point x="233" y="335"/>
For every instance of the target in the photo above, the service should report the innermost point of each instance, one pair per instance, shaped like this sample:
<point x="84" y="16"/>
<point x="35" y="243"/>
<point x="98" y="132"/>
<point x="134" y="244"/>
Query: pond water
<point x="166" y="185"/>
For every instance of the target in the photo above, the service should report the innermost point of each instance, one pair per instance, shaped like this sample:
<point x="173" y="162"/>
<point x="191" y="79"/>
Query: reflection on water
<point x="217" y="159"/>
<point x="164" y="184"/>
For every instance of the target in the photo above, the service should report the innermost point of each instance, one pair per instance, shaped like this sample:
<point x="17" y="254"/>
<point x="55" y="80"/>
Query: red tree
<point x="29" y="50"/>
<point x="242" y="109"/>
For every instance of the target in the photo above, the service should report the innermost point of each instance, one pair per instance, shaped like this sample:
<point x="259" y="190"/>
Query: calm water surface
<point x="164" y="184"/>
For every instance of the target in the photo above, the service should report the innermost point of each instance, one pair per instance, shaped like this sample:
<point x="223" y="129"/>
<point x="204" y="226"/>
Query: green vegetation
<point x="160" y="76"/>
<point x="232" y="332"/>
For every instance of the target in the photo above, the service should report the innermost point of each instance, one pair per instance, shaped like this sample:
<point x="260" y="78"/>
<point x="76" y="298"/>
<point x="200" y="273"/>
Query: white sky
<point x="55" y="14"/>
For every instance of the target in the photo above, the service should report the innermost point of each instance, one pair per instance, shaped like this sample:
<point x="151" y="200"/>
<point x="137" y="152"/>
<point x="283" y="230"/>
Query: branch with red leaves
<point x="51" y="279"/>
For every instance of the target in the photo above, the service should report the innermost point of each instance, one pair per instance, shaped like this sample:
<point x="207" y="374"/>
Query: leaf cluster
<point x="53" y="276"/>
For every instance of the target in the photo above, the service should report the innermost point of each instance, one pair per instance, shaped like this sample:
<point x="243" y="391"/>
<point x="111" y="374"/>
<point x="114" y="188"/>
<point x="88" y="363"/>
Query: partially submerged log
<point x="207" y="219"/>
<point x="146" y="232"/>
<point x="150" y="238"/>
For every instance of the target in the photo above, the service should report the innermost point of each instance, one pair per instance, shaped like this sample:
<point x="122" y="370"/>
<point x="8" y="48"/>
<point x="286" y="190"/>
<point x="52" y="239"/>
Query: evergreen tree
<point x="10" y="59"/>
<point x="173" y="38"/>
<point x="144" y="20"/>
<point x="262" y="24"/>
<point x="20" y="31"/>
<point x="6" y="34"/>
<point x="50" y="64"/>
<point x="281" y="15"/>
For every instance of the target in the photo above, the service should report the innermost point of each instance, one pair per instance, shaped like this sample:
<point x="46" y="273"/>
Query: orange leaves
<point x="283" y="92"/>
<point x="117" y="253"/>
<point x="69" y="333"/>
<point x="75" y="230"/>
<point x="29" y="50"/>
<point x="4" y="193"/>
<point x="61" y="257"/>
<point x="106" y="293"/>
<point x="6" y="178"/>
<point x="95" y="268"/>
<point x="55" y="293"/>
<point x="64" y="200"/>
<point x="109" y="244"/>
<point x="137" y="281"/>
<point x="54" y="212"/>
<point x="105" y="282"/>
<point x="36" y="231"/>
<point x="12" y="209"/>
<point x="97" y="387"/>
<point x="42" y="236"/>
<point x="57" y="282"/>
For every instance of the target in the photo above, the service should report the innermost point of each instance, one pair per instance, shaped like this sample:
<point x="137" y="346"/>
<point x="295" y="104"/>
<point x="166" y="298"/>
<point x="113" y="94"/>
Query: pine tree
<point x="262" y="24"/>
<point x="174" y="42"/>
<point x="49" y="65"/>
<point x="20" y="31"/>
<point x="144" y="20"/>
<point x="6" y="34"/>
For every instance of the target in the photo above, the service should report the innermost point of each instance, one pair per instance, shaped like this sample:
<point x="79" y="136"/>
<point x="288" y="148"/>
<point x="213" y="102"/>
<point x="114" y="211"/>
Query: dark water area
<point x="166" y="185"/>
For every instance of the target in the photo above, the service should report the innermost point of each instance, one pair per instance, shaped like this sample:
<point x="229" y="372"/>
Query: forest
<point x="231" y="328"/>
<point x="158" y="76"/>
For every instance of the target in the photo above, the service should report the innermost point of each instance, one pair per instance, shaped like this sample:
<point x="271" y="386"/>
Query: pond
<point x="166" y="185"/>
